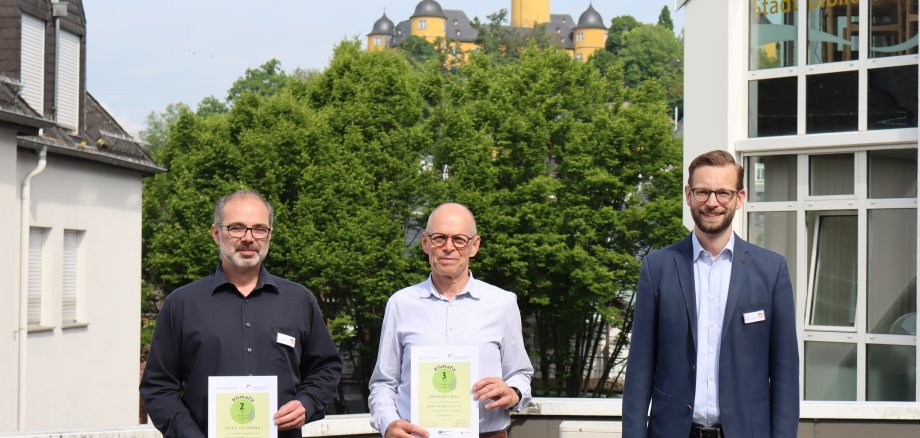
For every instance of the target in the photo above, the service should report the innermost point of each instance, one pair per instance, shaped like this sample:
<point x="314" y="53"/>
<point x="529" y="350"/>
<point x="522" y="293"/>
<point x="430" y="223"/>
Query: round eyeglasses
<point x="460" y="241"/>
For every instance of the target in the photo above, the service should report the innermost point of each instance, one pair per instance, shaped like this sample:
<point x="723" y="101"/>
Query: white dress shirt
<point x="711" y="279"/>
<point x="481" y="315"/>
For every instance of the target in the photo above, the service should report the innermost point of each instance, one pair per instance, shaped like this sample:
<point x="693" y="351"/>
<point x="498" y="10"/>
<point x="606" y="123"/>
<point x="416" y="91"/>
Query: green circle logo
<point x="242" y="411"/>
<point x="444" y="380"/>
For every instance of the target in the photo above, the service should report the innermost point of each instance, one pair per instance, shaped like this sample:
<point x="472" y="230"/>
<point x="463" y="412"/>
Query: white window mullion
<point x="862" y="236"/>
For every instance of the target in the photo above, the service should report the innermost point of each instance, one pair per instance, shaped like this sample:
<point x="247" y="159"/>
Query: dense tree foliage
<point x="572" y="172"/>
<point x="647" y="51"/>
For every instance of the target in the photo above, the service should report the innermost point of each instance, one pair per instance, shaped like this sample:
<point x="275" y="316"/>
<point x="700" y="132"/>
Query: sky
<point x="143" y="55"/>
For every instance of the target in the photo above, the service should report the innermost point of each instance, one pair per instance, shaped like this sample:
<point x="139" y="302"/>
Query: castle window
<point x="423" y="24"/>
<point x="377" y="41"/>
<point x="580" y="36"/>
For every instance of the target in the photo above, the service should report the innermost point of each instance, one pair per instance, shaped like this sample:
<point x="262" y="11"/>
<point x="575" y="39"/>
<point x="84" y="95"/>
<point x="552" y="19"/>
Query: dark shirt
<point x="207" y="328"/>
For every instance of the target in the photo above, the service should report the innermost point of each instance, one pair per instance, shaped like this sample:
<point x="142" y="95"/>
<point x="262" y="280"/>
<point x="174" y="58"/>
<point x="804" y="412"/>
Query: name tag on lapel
<point x="757" y="316"/>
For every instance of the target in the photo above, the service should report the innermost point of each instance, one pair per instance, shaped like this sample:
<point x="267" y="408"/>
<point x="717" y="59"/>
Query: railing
<point x="545" y="417"/>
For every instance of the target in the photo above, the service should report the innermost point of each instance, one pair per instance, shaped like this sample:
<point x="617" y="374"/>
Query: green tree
<point x="664" y="19"/>
<point x="506" y="43"/>
<point x="266" y="80"/>
<point x="418" y="49"/>
<point x="654" y="52"/>
<point x="551" y="159"/>
<point x="619" y="26"/>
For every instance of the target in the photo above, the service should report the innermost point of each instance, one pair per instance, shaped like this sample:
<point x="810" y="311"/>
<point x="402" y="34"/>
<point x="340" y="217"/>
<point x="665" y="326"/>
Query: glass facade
<point x="824" y="71"/>
<point x="773" y="34"/>
<point x="852" y="212"/>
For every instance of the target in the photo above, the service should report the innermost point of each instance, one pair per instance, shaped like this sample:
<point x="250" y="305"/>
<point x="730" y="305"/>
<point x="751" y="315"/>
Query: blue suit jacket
<point x="758" y="364"/>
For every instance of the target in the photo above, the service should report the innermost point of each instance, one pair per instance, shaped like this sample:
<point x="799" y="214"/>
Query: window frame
<point x="802" y="70"/>
<point x="806" y="204"/>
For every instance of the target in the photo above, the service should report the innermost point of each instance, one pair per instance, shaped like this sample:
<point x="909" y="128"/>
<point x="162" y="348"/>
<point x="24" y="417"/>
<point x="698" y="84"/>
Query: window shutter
<point x="69" y="276"/>
<point x="33" y="62"/>
<point x="68" y="97"/>
<point x="36" y="249"/>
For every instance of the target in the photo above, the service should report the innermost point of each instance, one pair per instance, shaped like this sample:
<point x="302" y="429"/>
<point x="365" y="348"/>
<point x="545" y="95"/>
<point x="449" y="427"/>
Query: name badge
<point x="285" y="340"/>
<point x="757" y="316"/>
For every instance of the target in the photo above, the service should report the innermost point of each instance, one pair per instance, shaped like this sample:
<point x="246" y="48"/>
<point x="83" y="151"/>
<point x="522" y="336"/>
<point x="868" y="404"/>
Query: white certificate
<point x="242" y="406"/>
<point x="442" y="390"/>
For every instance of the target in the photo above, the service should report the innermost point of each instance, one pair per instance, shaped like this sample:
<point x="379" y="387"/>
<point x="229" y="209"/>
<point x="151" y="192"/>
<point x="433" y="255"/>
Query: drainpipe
<point x="23" y="331"/>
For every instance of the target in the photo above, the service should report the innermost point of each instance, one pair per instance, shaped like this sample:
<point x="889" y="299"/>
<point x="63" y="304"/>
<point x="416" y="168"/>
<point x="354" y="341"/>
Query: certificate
<point x="442" y="390"/>
<point x="242" y="406"/>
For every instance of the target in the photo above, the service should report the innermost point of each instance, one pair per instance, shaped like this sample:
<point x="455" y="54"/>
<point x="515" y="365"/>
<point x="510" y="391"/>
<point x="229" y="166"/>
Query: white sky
<point x="144" y="55"/>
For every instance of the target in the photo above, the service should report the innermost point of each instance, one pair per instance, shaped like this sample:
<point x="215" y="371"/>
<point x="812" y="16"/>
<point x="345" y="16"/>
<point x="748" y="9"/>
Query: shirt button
<point x="249" y="350"/>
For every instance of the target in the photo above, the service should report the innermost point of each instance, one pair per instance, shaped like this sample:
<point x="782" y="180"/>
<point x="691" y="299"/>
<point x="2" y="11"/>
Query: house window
<point x="853" y="215"/>
<point x="70" y="279"/>
<point x="579" y="36"/>
<point x="837" y="79"/>
<point x="33" y="62"/>
<point x="36" y="276"/>
<point x="423" y="24"/>
<point x="68" y="72"/>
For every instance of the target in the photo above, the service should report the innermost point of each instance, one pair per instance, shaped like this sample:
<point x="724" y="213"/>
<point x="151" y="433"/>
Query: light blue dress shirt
<point x="481" y="315"/>
<point x="711" y="279"/>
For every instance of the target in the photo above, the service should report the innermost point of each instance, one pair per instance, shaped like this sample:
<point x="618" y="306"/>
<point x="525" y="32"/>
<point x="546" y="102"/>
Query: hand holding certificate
<point x="242" y="407"/>
<point x="442" y="400"/>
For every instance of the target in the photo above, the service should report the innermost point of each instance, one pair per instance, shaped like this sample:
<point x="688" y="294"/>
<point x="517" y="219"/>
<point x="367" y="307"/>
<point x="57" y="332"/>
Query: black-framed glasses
<point x="460" y="241"/>
<point x="238" y="231"/>
<point x="723" y="196"/>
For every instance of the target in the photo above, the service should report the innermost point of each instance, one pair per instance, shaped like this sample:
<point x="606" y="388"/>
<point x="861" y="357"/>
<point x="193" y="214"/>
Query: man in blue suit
<point x="713" y="340"/>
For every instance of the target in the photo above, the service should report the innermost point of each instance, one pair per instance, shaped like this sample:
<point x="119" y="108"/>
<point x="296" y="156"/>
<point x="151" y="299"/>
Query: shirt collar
<point x="729" y="249"/>
<point x="428" y="289"/>
<point x="220" y="281"/>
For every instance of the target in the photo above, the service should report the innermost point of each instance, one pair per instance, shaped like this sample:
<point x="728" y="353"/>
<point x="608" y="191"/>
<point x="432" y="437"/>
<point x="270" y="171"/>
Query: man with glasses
<point x="451" y="308"/>
<point x="713" y="343"/>
<point x="239" y="321"/>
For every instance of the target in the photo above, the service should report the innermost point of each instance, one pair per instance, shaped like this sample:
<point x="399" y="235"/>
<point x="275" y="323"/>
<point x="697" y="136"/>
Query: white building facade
<point x="818" y="100"/>
<point x="70" y="267"/>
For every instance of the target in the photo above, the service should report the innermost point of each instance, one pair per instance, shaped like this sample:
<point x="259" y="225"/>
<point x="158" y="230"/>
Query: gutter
<point x="23" y="331"/>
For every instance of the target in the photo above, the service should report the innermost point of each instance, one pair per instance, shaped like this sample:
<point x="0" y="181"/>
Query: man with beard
<point x="713" y="343"/>
<point x="451" y="308"/>
<point x="239" y="321"/>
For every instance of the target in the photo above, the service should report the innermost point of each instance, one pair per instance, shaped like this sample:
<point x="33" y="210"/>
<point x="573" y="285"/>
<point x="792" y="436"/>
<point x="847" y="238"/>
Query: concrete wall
<point x="84" y="375"/>
<point x="9" y="279"/>
<point x="714" y="66"/>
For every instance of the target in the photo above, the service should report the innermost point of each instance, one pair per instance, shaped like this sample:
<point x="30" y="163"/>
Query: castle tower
<point x="429" y="21"/>
<point x="380" y="35"/>
<point x="526" y="13"/>
<point x="590" y="34"/>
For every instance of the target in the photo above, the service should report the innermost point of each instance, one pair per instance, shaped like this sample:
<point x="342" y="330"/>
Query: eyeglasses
<point x="238" y="231"/>
<point x="723" y="196"/>
<point x="460" y="241"/>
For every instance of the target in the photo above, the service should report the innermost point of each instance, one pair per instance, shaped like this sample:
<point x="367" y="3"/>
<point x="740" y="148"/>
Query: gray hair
<point x="239" y="194"/>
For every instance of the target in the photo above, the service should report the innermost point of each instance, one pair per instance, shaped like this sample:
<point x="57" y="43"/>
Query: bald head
<point x="454" y="211"/>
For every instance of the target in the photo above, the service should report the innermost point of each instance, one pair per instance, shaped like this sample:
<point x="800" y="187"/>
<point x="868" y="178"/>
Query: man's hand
<point x="291" y="416"/>
<point x="495" y="389"/>
<point x="404" y="429"/>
